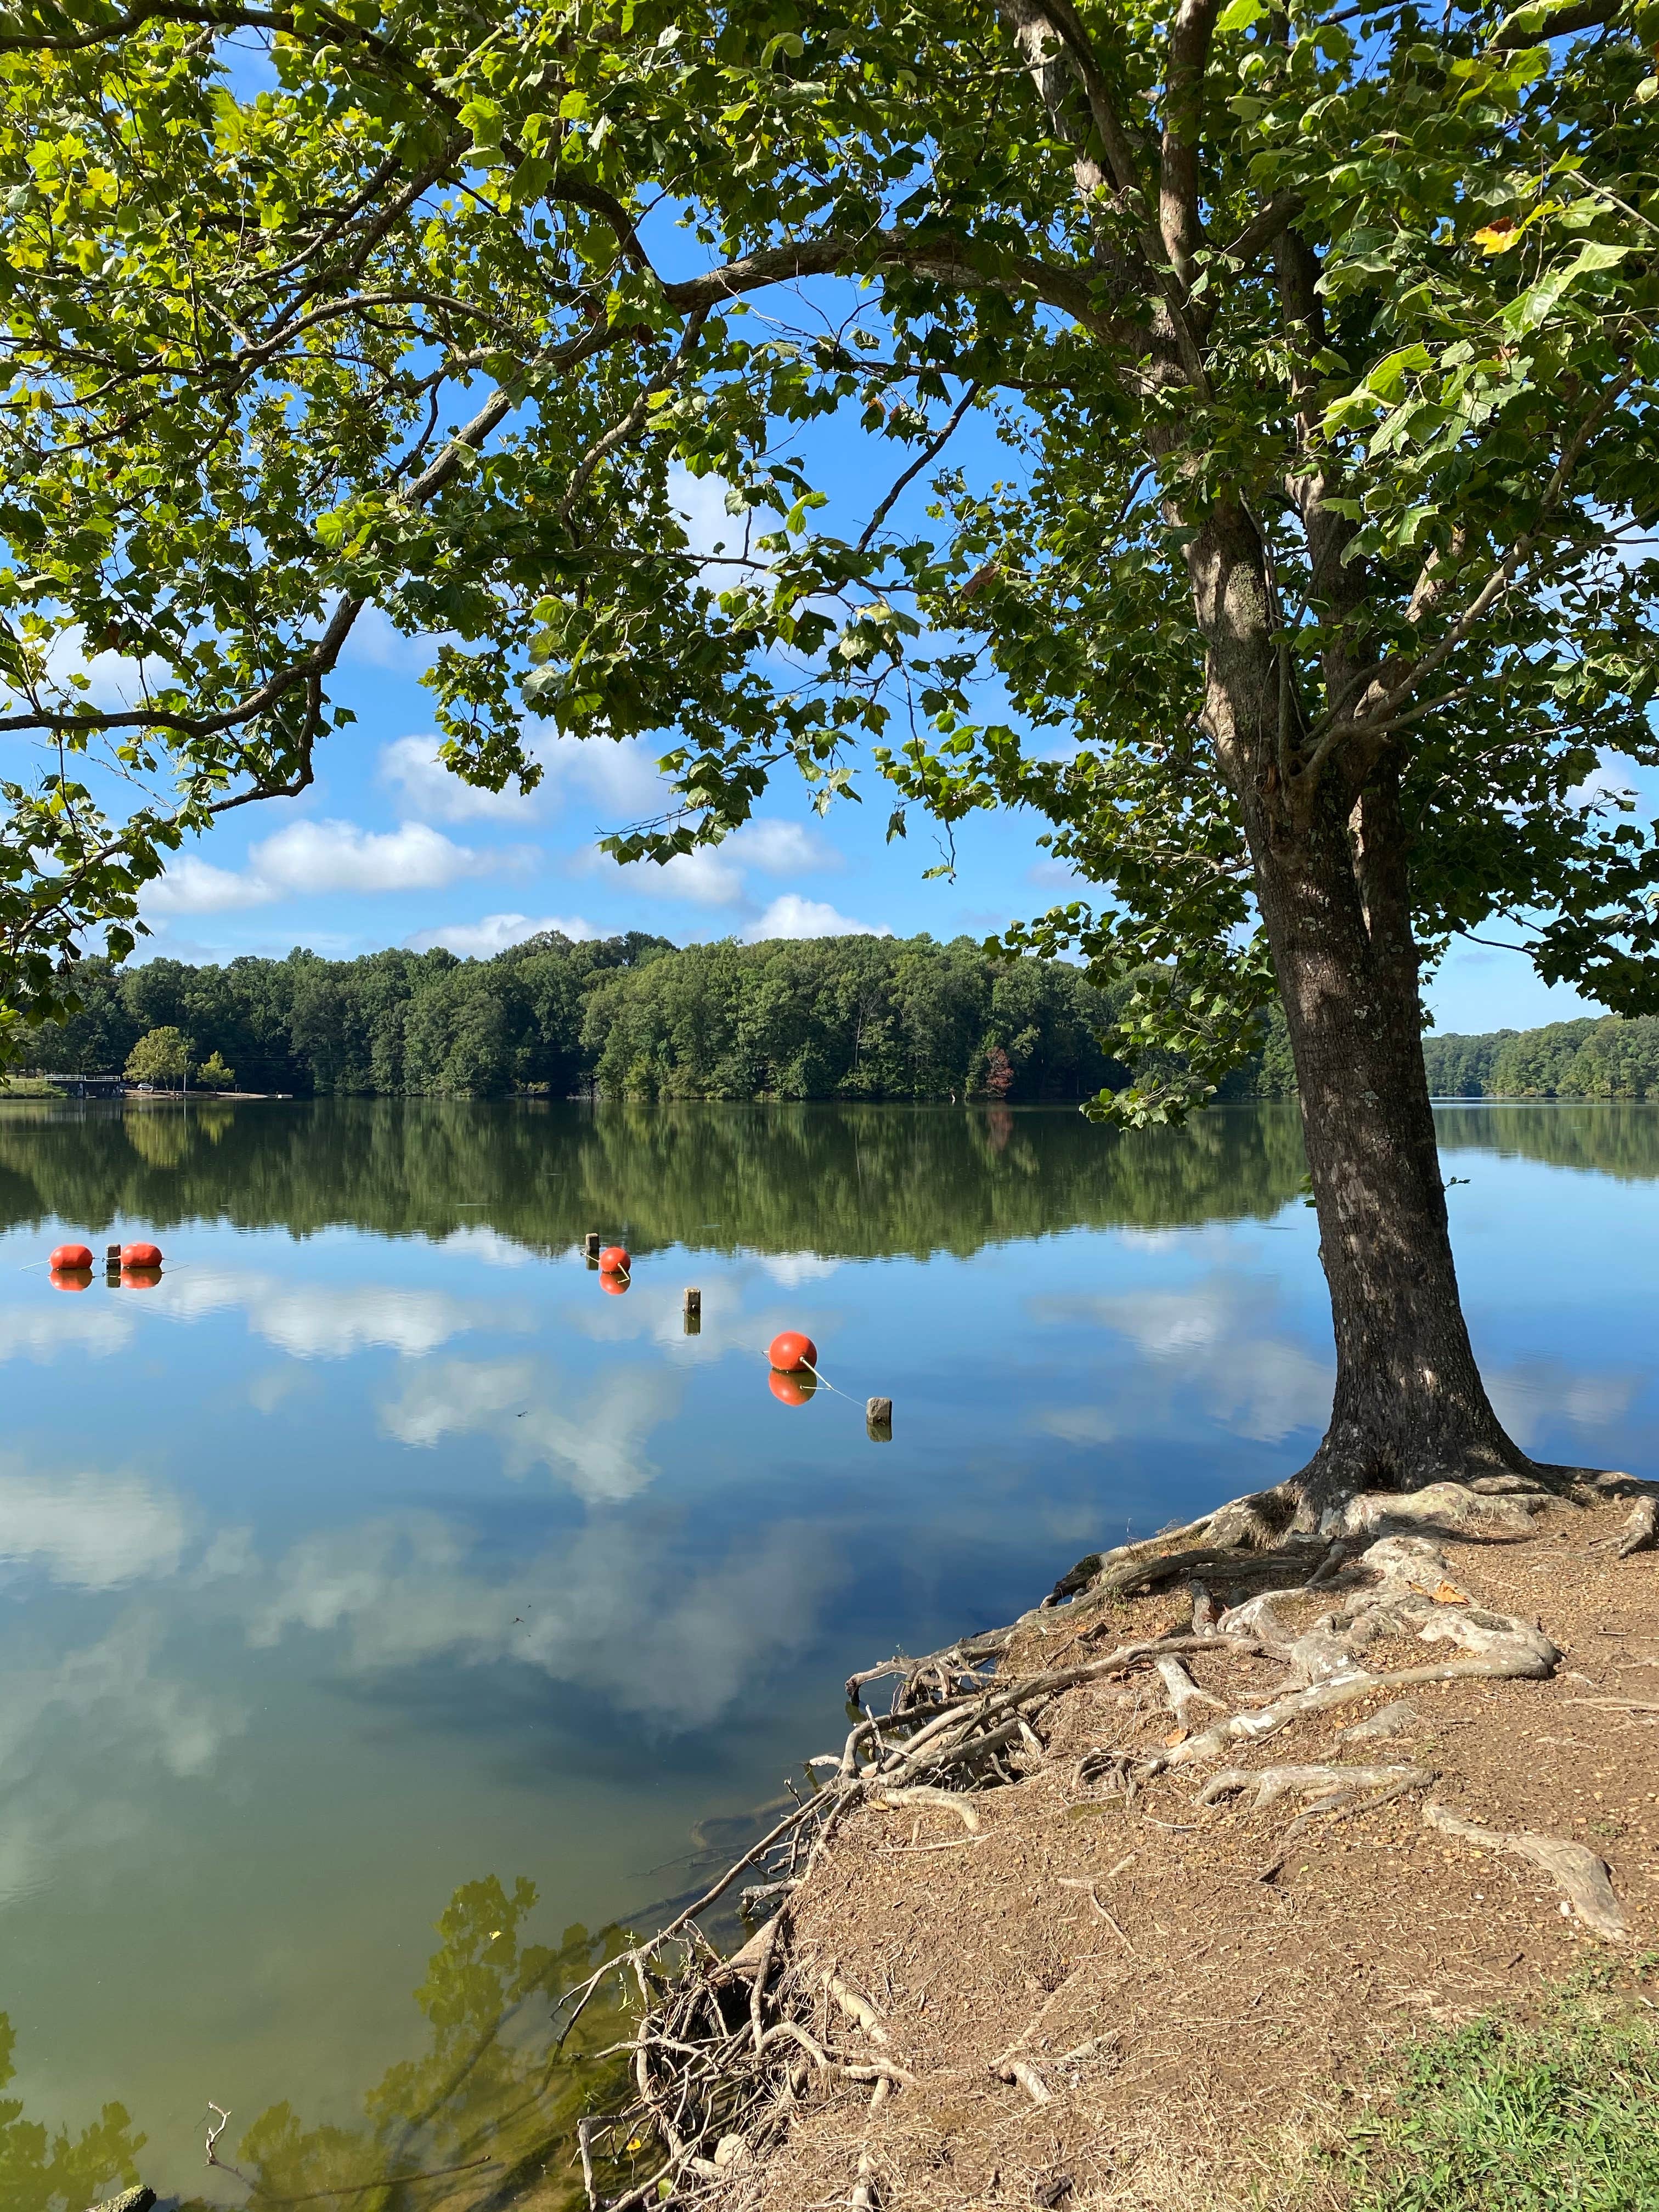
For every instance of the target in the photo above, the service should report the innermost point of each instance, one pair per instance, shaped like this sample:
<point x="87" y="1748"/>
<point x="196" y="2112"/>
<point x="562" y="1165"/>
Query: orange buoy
<point x="613" y="1285"/>
<point x="70" y="1279"/>
<point x="138" y="1256"/>
<point x="789" y="1351"/>
<point x="792" y="1389"/>
<point x="140" y="1279"/>
<point x="70" y="1255"/>
<point x="614" y="1261"/>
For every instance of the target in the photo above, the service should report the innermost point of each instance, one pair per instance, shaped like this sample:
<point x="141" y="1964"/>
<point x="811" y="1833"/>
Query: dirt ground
<point x="1202" y="1997"/>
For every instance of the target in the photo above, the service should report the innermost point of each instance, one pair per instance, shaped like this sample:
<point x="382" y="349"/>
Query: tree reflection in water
<point x="486" y="2117"/>
<point x="40" y="2172"/>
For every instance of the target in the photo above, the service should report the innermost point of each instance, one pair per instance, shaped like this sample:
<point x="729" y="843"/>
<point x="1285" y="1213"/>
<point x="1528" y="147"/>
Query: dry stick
<point x="763" y="1967"/>
<point x="1067" y="1881"/>
<point x="685" y="1918"/>
<point x="987" y="1704"/>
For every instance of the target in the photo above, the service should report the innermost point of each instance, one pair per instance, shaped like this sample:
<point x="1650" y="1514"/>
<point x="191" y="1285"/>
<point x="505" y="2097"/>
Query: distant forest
<point x="1595" y="1058"/>
<point x="635" y="1017"/>
<point x="850" y="1017"/>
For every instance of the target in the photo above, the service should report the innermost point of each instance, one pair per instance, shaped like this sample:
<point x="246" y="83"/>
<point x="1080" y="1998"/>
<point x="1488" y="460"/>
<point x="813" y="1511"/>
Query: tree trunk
<point x="1409" y="1406"/>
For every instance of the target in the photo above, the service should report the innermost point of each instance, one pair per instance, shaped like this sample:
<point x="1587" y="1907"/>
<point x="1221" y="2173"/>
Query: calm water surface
<point x="378" y="1570"/>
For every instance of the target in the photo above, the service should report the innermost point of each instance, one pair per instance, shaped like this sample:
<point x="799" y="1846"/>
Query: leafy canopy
<point x="307" y="309"/>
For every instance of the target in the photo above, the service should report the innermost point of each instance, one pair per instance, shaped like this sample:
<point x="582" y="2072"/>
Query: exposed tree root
<point x="1325" y="1788"/>
<point x="1577" y="1871"/>
<point x="725" y="2048"/>
<point x="1253" y="1537"/>
<point x="1641" y="1531"/>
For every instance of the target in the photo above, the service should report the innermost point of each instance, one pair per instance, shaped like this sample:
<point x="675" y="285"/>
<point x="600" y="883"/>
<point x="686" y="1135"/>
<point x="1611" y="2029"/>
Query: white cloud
<point x="431" y="791"/>
<point x="699" y="502"/>
<point x="376" y="642"/>
<point x="791" y="1268"/>
<point x="84" y="1325"/>
<point x="194" y="886"/>
<point x="715" y="875"/>
<point x="620" y="1616"/>
<point x="481" y="940"/>
<point x="783" y="849"/>
<point x="792" y="916"/>
<point x="113" y="681"/>
<point x="595" y="1442"/>
<point x="90" y="1531"/>
<point x="310" y="857"/>
<point x="329" y="1322"/>
<point x="705" y="877"/>
<point x="1211" y="1352"/>
<point x="338" y="856"/>
<point x="488" y="1245"/>
<point x="1533" y="1397"/>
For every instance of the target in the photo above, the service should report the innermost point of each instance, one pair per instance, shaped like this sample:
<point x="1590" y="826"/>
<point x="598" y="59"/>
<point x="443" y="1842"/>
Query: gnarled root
<point x="1183" y="1693"/>
<point x="1406" y="1589"/>
<point x="1259" y="1534"/>
<point x="1576" y="1871"/>
<point x="1641" y="1531"/>
<point x="1326" y="1788"/>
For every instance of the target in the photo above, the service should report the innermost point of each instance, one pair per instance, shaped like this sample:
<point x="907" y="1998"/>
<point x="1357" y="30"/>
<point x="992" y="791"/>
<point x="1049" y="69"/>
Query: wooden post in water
<point x="591" y="1243"/>
<point x="693" y="1313"/>
<point x="878" y="1421"/>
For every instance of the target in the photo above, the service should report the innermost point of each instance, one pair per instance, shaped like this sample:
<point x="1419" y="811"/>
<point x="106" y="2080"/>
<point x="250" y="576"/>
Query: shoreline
<point x="1030" y="1934"/>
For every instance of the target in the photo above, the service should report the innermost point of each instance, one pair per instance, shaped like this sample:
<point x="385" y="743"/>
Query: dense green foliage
<point x="1586" y="1058"/>
<point x="1325" y="353"/>
<point x="161" y="1056"/>
<point x="1499" y="2116"/>
<point x="850" y="1017"/>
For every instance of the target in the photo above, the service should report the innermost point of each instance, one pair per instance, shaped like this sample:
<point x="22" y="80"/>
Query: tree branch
<point x="1179" y="216"/>
<point x="929" y="453"/>
<point x="1376" y="714"/>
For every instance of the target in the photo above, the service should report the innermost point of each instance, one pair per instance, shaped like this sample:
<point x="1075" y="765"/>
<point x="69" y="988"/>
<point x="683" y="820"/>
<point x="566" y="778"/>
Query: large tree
<point x="1316" y="338"/>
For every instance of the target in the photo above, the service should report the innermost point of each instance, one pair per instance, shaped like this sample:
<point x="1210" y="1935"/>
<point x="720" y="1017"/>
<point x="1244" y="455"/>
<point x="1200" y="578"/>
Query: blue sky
<point x="388" y="848"/>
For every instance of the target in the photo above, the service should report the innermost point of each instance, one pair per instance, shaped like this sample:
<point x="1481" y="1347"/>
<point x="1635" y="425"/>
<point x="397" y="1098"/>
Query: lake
<point x="379" y="1567"/>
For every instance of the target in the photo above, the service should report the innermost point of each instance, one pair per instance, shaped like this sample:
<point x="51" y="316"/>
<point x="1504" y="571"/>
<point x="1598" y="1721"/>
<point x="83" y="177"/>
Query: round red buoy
<point x="70" y="1279"/>
<point x="140" y="1279"/>
<point x="790" y="1351"/>
<point x="614" y="1284"/>
<point x="614" y="1261"/>
<point x="140" y="1256"/>
<point x="791" y="1389"/>
<point x="70" y="1255"/>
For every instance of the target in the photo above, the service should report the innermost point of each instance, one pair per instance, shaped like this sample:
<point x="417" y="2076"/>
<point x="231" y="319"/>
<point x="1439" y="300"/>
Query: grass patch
<point x="1558" y="2116"/>
<point x="27" y="1086"/>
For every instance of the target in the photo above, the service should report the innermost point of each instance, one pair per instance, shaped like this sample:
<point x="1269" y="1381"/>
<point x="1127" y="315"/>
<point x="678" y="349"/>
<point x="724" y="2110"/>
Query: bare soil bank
<point x="1167" y="1996"/>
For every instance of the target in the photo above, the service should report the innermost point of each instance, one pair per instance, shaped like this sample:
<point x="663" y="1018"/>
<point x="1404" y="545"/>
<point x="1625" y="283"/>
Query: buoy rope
<point x="817" y="1374"/>
<point x="818" y="1378"/>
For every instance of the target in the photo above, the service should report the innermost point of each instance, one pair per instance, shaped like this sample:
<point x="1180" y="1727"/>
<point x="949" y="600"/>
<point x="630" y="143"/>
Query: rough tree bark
<point x="1330" y="858"/>
<point x="1409" y="1406"/>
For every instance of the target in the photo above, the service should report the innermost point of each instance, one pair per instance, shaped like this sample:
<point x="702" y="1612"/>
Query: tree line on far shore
<point x="635" y="1016"/>
<point x="1592" y="1058"/>
<point x="850" y="1017"/>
